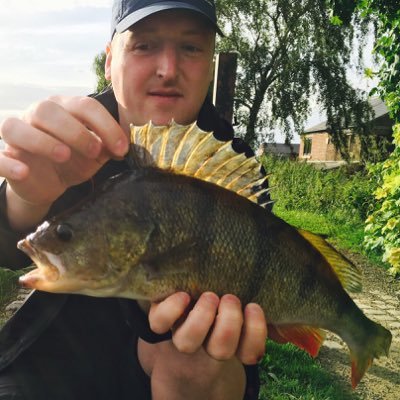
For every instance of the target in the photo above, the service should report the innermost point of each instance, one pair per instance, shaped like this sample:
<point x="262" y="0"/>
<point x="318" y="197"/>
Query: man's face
<point x="161" y="68"/>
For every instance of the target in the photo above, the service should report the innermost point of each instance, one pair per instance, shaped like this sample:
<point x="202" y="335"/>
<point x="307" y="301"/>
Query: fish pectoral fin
<point x="348" y="274"/>
<point x="176" y="260"/>
<point x="307" y="338"/>
<point x="151" y="271"/>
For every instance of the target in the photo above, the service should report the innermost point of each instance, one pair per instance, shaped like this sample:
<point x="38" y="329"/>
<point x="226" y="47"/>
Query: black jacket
<point x="41" y="309"/>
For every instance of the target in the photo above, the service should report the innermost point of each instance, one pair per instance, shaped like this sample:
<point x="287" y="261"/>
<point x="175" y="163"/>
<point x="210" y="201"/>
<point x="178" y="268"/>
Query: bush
<point x="343" y="194"/>
<point x="383" y="225"/>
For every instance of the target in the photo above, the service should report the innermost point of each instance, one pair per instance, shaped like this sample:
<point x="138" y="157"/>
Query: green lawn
<point x="8" y="288"/>
<point x="290" y="373"/>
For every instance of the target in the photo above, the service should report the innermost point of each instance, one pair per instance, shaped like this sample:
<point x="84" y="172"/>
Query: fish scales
<point x="218" y="236"/>
<point x="200" y="222"/>
<point x="158" y="229"/>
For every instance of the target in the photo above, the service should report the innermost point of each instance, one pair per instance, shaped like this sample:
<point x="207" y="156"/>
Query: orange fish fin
<point x="362" y="354"/>
<point x="358" y="369"/>
<point x="348" y="274"/>
<point x="305" y="337"/>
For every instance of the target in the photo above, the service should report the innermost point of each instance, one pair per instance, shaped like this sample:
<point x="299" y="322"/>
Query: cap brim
<point x="138" y="15"/>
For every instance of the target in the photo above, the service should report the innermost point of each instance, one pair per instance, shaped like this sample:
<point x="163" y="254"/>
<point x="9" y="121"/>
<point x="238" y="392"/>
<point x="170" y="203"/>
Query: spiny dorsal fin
<point x="188" y="150"/>
<point x="348" y="274"/>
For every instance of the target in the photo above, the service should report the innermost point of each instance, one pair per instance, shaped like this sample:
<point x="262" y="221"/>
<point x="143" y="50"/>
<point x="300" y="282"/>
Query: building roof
<point x="321" y="127"/>
<point x="378" y="107"/>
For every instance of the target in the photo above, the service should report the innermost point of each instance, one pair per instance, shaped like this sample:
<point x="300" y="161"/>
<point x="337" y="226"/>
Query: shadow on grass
<point x="289" y="373"/>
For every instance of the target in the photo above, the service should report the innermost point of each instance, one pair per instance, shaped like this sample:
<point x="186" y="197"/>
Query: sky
<point x="47" y="47"/>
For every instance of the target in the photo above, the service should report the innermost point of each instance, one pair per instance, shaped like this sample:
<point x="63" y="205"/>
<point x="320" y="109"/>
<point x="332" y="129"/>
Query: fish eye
<point x="64" y="232"/>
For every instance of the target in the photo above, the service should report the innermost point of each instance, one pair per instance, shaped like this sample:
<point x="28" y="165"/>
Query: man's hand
<point x="209" y="346"/>
<point x="219" y="325"/>
<point x="58" y="143"/>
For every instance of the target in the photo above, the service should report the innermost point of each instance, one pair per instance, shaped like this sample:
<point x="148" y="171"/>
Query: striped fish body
<point x="202" y="237"/>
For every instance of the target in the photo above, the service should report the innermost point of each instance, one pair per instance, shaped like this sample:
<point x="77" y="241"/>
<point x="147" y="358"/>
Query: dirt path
<point x="380" y="301"/>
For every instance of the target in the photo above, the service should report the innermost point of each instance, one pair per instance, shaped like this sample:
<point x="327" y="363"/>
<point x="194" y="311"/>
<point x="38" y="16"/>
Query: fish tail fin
<point x="362" y="354"/>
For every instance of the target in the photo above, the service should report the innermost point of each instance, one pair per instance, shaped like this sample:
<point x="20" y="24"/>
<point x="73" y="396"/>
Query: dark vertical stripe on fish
<point x="206" y="213"/>
<point x="308" y="282"/>
<point x="256" y="280"/>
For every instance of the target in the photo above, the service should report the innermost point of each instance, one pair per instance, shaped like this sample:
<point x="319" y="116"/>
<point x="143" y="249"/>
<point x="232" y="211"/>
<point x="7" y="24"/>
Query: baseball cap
<point x="125" y="13"/>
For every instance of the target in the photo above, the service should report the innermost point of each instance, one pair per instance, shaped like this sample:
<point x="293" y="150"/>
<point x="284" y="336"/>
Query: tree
<point x="386" y="15"/>
<point x="288" y="52"/>
<point x="98" y="68"/>
<point x="383" y="225"/>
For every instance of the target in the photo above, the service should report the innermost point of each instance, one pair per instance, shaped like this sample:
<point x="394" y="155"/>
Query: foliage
<point x="383" y="225"/>
<point x="387" y="19"/>
<point x="343" y="193"/>
<point x="289" y="51"/>
<point x="98" y="68"/>
<point x="331" y="203"/>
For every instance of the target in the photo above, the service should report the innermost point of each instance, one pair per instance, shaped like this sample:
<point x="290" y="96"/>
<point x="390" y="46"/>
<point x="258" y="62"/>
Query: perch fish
<point x="188" y="218"/>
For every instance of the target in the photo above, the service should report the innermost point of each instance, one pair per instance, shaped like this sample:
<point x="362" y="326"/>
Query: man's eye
<point x="191" y="48"/>
<point x="142" y="47"/>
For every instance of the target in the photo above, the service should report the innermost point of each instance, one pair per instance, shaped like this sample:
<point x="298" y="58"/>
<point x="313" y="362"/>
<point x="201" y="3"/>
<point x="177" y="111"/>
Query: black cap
<point x="125" y="13"/>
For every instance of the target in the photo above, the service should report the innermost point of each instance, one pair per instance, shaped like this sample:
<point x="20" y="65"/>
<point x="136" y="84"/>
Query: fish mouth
<point x="48" y="269"/>
<point x="50" y="274"/>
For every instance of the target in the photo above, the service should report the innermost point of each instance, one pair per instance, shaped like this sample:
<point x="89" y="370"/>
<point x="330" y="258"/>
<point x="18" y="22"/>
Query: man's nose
<point x="167" y="67"/>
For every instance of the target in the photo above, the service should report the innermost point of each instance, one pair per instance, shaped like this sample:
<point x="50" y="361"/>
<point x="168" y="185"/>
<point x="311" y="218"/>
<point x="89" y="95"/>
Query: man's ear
<point x="107" y="66"/>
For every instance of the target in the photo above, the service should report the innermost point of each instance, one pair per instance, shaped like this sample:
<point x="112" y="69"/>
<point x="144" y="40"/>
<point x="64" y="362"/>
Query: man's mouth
<point x="165" y="93"/>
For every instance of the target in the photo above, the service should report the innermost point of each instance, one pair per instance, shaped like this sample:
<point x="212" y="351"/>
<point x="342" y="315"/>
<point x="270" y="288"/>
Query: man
<point x="75" y="347"/>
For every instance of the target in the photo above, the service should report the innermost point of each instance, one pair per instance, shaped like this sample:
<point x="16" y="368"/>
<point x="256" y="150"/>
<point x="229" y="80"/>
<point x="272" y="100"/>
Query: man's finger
<point x="190" y="335"/>
<point x="254" y="334"/>
<point x="51" y="118"/>
<point x="163" y="315"/>
<point x="224" y="338"/>
<point x="20" y="135"/>
<point x="12" y="169"/>
<point x="96" y="118"/>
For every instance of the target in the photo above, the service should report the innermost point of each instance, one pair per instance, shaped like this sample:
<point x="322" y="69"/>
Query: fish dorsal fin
<point x="188" y="150"/>
<point x="348" y="274"/>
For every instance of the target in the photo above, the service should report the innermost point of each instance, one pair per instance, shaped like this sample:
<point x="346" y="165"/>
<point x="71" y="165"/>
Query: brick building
<point x="316" y="144"/>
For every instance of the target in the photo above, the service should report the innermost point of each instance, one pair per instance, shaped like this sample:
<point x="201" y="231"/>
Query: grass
<point x="8" y="284"/>
<point x="289" y="373"/>
<point x="343" y="234"/>
<point x="8" y="287"/>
